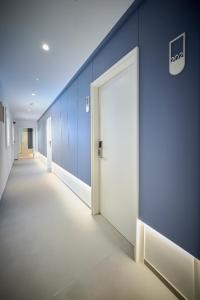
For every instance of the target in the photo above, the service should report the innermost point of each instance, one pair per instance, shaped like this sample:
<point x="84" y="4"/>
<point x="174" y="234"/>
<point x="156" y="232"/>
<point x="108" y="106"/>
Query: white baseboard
<point x="80" y="188"/>
<point x="41" y="157"/>
<point x="173" y="263"/>
<point x="197" y="278"/>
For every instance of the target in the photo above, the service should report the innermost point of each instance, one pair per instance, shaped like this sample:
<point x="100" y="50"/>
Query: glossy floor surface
<point x="52" y="248"/>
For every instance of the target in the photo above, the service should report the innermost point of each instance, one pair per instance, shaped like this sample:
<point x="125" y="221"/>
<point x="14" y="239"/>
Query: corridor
<point x="52" y="248"/>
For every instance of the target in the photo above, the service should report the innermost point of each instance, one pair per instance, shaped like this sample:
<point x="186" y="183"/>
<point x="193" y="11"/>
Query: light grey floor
<point x="52" y="248"/>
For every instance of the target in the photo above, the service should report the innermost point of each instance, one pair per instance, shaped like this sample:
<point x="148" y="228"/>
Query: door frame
<point x="19" y="140"/>
<point x="129" y="59"/>
<point x="49" y="159"/>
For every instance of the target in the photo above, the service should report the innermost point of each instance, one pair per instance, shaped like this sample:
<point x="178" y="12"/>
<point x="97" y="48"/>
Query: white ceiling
<point x="72" y="28"/>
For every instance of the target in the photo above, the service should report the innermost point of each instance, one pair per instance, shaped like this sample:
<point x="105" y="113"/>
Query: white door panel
<point x="119" y="163"/>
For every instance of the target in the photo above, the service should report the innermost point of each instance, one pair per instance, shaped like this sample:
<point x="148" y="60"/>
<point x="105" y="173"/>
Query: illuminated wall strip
<point x="81" y="189"/>
<point x="176" y="266"/>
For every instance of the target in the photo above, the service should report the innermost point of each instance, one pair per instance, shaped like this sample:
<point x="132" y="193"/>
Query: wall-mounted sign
<point x="177" y="54"/>
<point x="87" y="104"/>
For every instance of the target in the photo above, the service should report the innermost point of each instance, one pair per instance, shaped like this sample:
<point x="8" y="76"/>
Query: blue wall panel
<point x="56" y="133"/>
<point x="84" y="143"/>
<point x="169" y="116"/>
<point x="64" y="132"/>
<point x="42" y="136"/>
<point x="169" y="130"/>
<point x="122" y="42"/>
<point x="71" y="134"/>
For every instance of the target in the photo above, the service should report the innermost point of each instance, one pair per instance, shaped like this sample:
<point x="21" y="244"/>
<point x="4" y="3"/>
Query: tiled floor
<point x="52" y="248"/>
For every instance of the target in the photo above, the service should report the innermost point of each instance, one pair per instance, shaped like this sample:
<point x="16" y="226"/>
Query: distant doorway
<point x="26" y="143"/>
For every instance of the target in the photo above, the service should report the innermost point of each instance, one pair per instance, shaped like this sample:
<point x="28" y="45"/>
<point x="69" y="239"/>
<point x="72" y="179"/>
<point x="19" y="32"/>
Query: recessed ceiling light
<point x="33" y="94"/>
<point x="45" y="47"/>
<point x="37" y="79"/>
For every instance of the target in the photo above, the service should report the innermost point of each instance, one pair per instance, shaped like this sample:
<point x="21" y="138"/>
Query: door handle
<point x="100" y="149"/>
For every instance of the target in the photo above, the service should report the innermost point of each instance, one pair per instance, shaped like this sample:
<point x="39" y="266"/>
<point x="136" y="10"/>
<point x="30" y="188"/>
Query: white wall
<point x="6" y="154"/>
<point x="25" y="124"/>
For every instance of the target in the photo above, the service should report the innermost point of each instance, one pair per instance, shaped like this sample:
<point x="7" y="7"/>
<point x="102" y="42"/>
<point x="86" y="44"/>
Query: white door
<point x="118" y="165"/>
<point x="49" y="144"/>
<point x="24" y="141"/>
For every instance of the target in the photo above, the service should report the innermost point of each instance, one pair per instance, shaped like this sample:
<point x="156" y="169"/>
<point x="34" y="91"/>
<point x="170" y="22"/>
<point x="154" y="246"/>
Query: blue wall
<point x="169" y="116"/>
